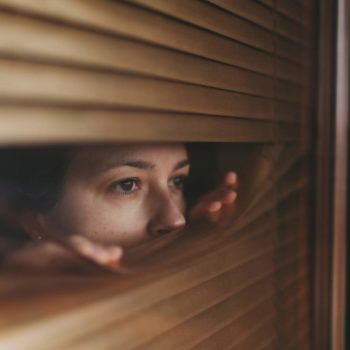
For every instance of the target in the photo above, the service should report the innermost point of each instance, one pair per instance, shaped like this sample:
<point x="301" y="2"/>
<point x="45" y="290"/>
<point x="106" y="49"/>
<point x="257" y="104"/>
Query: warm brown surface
<point x="239" y="71"/>
<point x="340" y="209"/>
<point x="209" y="287"/>
<point x="87" y="56"/>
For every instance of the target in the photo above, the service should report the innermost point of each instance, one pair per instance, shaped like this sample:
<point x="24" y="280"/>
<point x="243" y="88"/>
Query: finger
<point x="219" y="195"/>
<point x="210" y="201"/>
<point x="108" y="256"/>
<point x="227" y="212"/>
<point x="214" y="211"/>
<point x="225" y="194"/>
<point x="198" y="210"/>
<point x="105" y="256"/>
<point x="221" y="211"/>
<point x="229" y="197"/>
<point x="230" y="180"/>
<point x="214" y="207"/>
<point x="48" y="256"/>
<point x="113" y="257"/>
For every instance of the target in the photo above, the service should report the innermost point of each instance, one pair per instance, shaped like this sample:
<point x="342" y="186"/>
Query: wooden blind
<point x="82" y="71"/>
<point x="126" y="60"/>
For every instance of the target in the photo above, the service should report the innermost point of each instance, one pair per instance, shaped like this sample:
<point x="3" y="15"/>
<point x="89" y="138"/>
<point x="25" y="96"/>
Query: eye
<point x="126" y="186"/>
<point x="178" y="182"/>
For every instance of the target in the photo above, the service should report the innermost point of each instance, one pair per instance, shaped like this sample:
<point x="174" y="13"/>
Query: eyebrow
<point x="144" y="165"/>
<point x="139" y="164"/>
<point x="181" y="164"/>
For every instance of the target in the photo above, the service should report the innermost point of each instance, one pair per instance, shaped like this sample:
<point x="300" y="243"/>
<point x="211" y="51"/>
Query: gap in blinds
<point x="236" y="73"/>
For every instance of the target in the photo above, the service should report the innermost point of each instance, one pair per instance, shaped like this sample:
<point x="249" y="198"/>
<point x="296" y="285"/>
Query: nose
<point x="168" y="217"/>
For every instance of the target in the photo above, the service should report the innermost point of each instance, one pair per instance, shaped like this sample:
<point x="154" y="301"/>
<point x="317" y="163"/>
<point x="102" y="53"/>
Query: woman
<point x="99" y="201"/>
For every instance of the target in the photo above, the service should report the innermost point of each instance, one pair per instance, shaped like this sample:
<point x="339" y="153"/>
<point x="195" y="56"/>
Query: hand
<point x="72" y="254"/>
<point x="218" y="205"/>
<point x="108" y="256"/>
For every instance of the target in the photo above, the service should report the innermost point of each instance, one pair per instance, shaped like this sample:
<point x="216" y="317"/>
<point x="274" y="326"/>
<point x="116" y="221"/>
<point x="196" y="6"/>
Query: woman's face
<point x="122" y="194"/>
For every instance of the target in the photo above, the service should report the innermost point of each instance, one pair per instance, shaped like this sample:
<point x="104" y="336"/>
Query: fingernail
<point x="215" y="206"/>
<point x="231" y="177"/>
<point x="116" y="252"/>
<point x="229" y="197"/>
<point x="104" y="257"/>
<point x="86" y="248"/>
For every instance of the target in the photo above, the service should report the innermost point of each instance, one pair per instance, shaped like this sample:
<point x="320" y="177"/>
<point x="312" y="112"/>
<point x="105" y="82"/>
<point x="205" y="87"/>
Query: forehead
<point x="92" y="160"/>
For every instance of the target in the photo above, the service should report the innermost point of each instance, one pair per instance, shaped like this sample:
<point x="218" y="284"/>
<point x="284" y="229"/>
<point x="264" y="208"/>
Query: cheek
<point x="179" y="200"/>
<point x="124" y="224"/>
<point x="182" y="203"/>
<point x="123" y="221"/>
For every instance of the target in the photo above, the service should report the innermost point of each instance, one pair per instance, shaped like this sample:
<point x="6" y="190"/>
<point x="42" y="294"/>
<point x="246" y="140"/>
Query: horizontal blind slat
<point x="120" y="333"/>
<point x="269" y="3"/>
<point x="207" y="244"/>
<point x="266" y="203"/>
<point x="289" y="29"/>
<point x="288" y="71"/>
<point x="120" y="18"/>
<point x="300" y="340"/>
<point x="249" y="9"/>
<point x="291" y="9"/>
<point x="69" y="85"/>
<point x="183" y="308"/>
<point x="300" y="277"/>
<point x="289" y="50"/>
<point x="228" y="318"/>
<point x="43" y="40"/>
<point x="49" y="41"/>
<point x="234" y="331"/>
<point x="292" y="296"/>
<point x="218" y="261"/>
<point x="51" y="125"/>
<point x="265" y="336"/>
<point x="213" y="19"/>
<point x="287" y="91"/>
<point x="300" y="320"/>
<point x="228" y="25"/>
<point x="263" y="16"/>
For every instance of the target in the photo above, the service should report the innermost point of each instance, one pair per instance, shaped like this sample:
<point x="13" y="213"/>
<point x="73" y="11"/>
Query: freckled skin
<point x="92" y="204"/>
<point x="114" y="198"/>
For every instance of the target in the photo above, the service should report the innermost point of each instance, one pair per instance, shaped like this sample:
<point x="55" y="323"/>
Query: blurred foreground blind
<point x="74" y="71"/>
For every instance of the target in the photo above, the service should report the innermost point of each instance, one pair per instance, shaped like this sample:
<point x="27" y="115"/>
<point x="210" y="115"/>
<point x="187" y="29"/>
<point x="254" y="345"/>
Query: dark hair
<point x="32" y="178"/>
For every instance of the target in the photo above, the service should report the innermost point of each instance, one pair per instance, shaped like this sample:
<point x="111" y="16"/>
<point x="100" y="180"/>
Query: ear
<point x="32" y="225"/>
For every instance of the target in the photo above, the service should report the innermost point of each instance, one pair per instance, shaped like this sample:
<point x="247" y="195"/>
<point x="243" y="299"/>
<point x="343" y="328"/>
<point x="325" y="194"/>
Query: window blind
<point x="83" y="71"/>
<point x="145" y="56"/>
